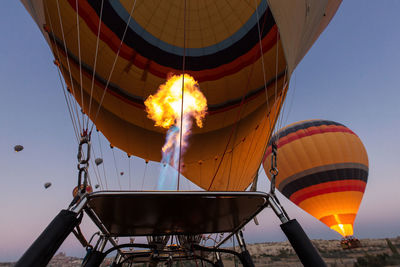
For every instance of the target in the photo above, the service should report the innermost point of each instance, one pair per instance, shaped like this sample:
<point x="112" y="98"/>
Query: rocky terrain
<point x="280" y="254"/>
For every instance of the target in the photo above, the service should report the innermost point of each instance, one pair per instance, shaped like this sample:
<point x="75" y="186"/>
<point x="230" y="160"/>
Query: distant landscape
<point x="374" y="252"/>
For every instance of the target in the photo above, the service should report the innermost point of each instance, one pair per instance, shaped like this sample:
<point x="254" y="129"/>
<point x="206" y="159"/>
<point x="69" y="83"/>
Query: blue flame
<point x="170" y="154"/>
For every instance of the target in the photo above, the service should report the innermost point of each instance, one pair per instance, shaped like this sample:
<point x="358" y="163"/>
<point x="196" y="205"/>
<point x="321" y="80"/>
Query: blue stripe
<point x="177" y="50"/>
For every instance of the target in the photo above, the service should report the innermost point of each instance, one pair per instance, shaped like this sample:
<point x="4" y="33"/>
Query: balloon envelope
<point x="323" y="169"/>
<point x="240" y="58"/>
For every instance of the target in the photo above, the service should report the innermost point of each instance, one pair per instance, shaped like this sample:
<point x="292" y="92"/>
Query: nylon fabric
<point x="223" y="54"/>
<point x="323" y="168"/>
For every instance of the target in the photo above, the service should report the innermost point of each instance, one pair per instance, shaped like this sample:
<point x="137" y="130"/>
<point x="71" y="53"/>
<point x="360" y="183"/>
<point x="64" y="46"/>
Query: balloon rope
<point x="270" y="130"/>
<point x="95" y="62"/>
<point x="276" y="69"/>
<point x="144" y="175"/>
<point x="113" y="66"/>
<point x="129" y="168"/>
<point x="262" y="59"/>
<point x="69" y="108"/>
<point x="282" y="112"/>
<point x="80" y="60"/>
<point x="116" y="169"/>
<point x="69" y="101"/>
<point x="60" y="74"/>
<point x="183" y="92"/>
<point x="292" y="98"/>
<point x="234" y="127"/>
<point x="68" y="65"/>
<point x="98" y="176"/>
<point x="101" y="153"/>
<point x="266" y="94"/>
<point x="249" y="149"/>
<point x="271" y="124"/>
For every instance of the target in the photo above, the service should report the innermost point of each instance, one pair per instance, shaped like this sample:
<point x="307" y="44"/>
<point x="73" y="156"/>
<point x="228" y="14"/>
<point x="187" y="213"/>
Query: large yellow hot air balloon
<point x="323" y="168"/>
<point x="114" y="54"/>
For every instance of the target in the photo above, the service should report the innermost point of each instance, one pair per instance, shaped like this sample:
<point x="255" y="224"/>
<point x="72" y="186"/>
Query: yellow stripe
<point x="332" y="203"/>
<point x="208" y="21"/>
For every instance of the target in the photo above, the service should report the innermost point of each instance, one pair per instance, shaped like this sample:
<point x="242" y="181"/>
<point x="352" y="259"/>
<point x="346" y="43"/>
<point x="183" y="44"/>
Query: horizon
<point x="350" y="75"/>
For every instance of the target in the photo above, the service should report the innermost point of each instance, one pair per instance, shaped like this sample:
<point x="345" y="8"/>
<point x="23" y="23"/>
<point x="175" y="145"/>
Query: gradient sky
<point x="351" y="75"/>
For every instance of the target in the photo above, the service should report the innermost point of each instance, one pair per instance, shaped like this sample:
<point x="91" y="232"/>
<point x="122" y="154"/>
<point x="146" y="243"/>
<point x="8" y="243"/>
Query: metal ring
<point x="84" y="140"/>
<point x="274" y="171"/>
<point x="85" y="171"/>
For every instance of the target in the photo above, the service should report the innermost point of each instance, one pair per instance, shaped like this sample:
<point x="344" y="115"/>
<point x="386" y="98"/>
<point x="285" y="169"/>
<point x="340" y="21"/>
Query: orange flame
<point x="165" y="106"/>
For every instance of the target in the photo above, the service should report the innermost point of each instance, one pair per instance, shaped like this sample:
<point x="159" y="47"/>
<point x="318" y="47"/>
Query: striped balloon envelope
<point x="114" y="54"/>
<point x="323" y="169"/>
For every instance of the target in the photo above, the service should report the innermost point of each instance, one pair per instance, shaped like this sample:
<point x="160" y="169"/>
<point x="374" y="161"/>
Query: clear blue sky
<point x="351" y="75"/>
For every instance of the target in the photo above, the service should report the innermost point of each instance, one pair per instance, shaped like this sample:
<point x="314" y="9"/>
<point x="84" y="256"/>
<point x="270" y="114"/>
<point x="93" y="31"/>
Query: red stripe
<point x="356" y="185"/>
<point x="141" y="106"/>
<point x="313" y="130"/>
<point x="90" y="17"/>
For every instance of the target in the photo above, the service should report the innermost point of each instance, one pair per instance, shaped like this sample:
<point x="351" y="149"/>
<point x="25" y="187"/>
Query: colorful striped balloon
<point x="323" y="169"/>
<point x="241" y="53"/>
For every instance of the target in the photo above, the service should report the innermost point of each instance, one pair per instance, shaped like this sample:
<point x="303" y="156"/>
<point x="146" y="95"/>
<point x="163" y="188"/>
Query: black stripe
<point x="139" y="100"/>
<point x="301" y="126"/>
<point x="323" y="177"/>
<point x="193" y="63"/>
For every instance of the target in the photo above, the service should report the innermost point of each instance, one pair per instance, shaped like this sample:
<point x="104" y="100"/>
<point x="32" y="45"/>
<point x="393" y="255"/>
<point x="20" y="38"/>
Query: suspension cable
<point x="95" y="62"/>
<point x="116" y="168"/>
<point x="60" y="73"/>
<point x="144" y="173"/>
<point x="80" y="60"/>
<point x="234" y="126"/>
<point x="98" y="176"/>
<point x="101" y="153"/>
<point x="113" y="66"/>
<point x="262" y="59"/>
<point x="68" y="106"/>
<point x="69" y="67"/>
<point x="292" y="98"/>
<point x="129" y="170"/>
<point x="183" y="92"/>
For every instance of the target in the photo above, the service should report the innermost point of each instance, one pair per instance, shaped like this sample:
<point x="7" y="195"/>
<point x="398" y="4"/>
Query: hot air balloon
<point x="18" y="148"/>
<point x="47" y="185"/>
<point x="227" y="64"/>
<point x="323" y="169"/>
<point x="98" y="161"/>
<point x="242" y="58"/>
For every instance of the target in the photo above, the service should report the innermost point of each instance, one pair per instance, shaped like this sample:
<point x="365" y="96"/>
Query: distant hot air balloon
<point x="18" y="148"/>
<point x="98" y="161"/>
<point x="89" y="189"/>
<point x="323" y="169"/>
<point x="47" y="185"/>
